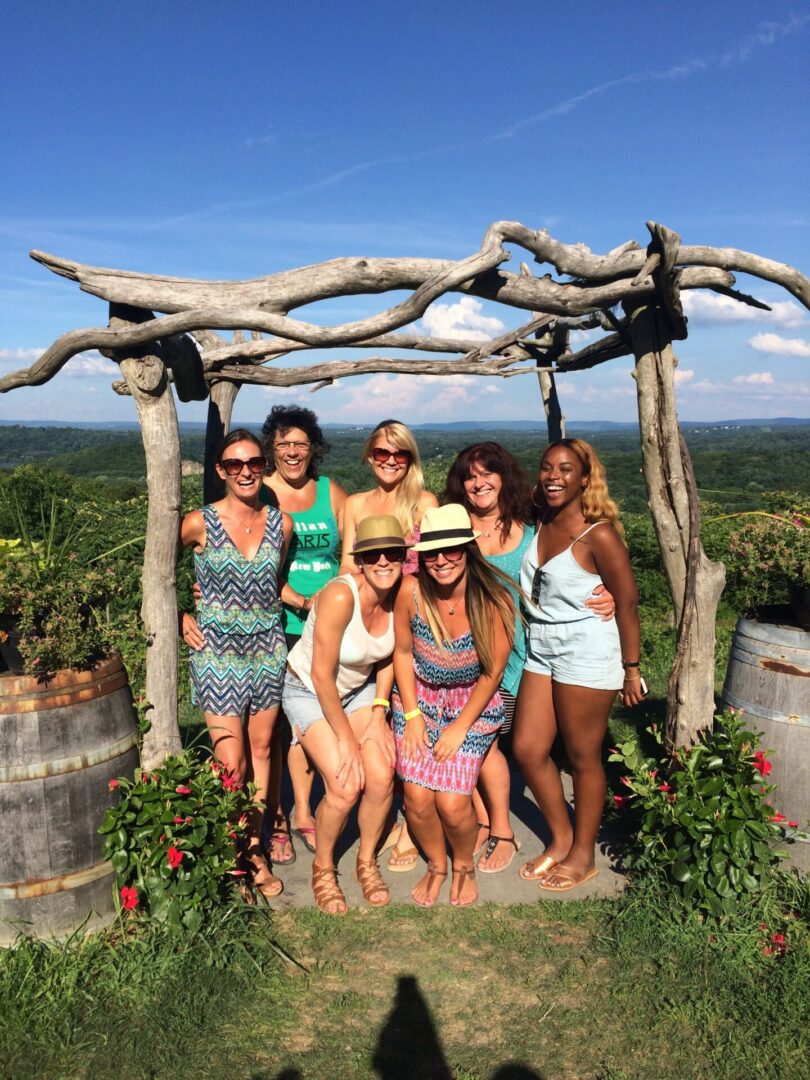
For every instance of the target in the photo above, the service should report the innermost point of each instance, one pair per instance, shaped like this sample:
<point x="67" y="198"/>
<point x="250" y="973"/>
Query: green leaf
<point x="681" y="872"/>
<point x="193" y="919"/>
<point x="120" y="861"/>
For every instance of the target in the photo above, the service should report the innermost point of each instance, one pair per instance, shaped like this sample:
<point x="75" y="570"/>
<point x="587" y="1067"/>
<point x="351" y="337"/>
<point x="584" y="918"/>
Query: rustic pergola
<point x="631" y="294"/>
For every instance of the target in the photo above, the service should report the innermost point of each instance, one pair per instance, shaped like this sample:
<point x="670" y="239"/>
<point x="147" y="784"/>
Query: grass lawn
<point x="604" y="990"/>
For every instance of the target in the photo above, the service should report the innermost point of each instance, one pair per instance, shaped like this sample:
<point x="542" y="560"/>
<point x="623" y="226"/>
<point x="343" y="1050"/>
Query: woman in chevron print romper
<point x="238" y="674"/>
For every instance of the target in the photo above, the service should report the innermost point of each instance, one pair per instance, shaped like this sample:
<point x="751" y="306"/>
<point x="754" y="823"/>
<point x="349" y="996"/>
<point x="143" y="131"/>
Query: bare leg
<point x="302" y="776"/>
<point x="481" y="816"/>
<point x="494" y="780"/>
<point x="280" y="847"/>
<point x="532" y="740"/>
<point x="458" y="819"/>
<point x="426" y="826"/>
<point x="582" y="715"/>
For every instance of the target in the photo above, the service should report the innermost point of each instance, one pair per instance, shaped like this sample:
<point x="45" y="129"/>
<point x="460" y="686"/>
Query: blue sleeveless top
<point x="510" y="564"/>
<point x="563" y="585"/>
<point x="239" y="595"/>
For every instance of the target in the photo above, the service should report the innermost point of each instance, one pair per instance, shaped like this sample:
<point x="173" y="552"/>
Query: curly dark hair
<point x="282" y="419"/>
<point x="514" y="501"/>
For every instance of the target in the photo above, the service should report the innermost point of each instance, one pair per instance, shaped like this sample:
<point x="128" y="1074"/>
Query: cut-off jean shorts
<point x="582" y="653"/>
<point x="302" y="708"/>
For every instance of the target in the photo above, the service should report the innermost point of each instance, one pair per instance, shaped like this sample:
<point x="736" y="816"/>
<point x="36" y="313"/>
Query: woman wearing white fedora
<point x="455" y="623"/>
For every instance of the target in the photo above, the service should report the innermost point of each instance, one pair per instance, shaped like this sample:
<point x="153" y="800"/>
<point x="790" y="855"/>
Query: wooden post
<point x="694" y="580"/>
<point x="220" y="407"/>
<point x="147" y="379"/>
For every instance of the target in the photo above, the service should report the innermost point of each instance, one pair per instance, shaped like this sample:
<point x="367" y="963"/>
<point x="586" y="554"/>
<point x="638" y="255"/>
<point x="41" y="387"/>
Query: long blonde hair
<point x="410" y="489"/>
<point x="596" y="502"/>
<point x="486" y="597"/>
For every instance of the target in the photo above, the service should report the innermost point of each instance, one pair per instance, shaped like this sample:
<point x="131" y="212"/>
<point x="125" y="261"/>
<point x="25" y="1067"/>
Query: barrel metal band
<point x="753" y="711"/>
<point x="60" y="697"/>
<point x="26" y="890"/>
<point x="41" y="769"/>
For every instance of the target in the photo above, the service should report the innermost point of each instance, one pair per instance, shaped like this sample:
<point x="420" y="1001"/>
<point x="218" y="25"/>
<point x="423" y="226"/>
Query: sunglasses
<point x="392" y="554"/>
<point x="536" y="580"/>
<point x="380" y="456"/>
<point x="233" y="465"/>
<point x="451" y="554"/>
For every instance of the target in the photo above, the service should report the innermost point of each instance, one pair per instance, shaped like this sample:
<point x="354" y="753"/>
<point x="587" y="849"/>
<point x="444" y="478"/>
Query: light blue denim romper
<point x="567" y="640"/>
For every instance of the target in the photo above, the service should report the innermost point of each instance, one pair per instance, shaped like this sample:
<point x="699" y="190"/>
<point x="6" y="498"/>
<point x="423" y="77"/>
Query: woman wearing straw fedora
<point x="336" y="697"/>
<point x="455" y="623"/>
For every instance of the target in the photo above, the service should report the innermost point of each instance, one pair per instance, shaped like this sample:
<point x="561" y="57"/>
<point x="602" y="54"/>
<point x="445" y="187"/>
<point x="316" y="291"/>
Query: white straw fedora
<point x="445" y="526"/>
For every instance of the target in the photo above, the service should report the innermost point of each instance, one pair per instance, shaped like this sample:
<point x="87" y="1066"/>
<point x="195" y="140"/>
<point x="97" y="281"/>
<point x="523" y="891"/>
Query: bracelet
<point x="630" y="663"/>
<point x="631" y="678"/>
<point x="386" y="704"/>
<point x="413" y="713"/>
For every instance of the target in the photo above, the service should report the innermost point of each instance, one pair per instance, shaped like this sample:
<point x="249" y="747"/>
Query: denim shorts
<point x="302" y="708"/>
<point x="583" y="653"/>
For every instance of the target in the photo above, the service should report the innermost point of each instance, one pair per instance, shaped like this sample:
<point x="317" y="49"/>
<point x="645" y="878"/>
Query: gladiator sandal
<point x="371" y="882"/>
<point x="264" y="881"/>
<point x="328" y="895"/>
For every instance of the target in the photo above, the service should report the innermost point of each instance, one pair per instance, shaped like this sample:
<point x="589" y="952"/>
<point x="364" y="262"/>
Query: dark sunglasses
<point x="392" y="554"/>
<point x="536" y="580"/>
<point x="234" y="465"/>
<point x="380" y="456"/>
<point x="451" y="554"/>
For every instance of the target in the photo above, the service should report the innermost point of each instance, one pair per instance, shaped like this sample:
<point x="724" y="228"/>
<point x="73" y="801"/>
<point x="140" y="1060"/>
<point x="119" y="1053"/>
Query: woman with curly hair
<point x="575" y="661"/>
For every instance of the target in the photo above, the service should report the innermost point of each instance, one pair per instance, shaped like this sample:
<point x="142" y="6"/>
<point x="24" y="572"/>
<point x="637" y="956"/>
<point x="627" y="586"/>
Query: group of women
<point x="403" y="662"/>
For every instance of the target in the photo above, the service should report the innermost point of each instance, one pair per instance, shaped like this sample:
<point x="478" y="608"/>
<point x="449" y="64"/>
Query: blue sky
<point x="217" y="141"/>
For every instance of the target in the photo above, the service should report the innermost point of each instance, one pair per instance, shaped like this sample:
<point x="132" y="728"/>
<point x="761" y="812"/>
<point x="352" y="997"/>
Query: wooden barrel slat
<point x="768" y="677"/>
<point x="58" y="759"/>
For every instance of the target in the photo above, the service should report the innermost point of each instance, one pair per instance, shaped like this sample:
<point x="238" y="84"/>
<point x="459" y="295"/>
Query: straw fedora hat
<point x="445" y="526"/>
<point x="378" y="531"/>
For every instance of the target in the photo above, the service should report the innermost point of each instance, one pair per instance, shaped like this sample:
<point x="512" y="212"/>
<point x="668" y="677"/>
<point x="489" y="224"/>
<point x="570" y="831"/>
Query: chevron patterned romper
<point x="241" y="667"/>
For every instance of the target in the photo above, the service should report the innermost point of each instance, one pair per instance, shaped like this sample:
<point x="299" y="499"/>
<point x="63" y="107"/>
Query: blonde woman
<point x="454" y="628"/>
<point x="393" y="457"/>
<point x="576" y="662"/>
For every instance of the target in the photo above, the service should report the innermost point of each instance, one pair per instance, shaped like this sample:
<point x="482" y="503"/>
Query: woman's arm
<point x="335" y="607"/>
<point x="426" y="500"/>
<point x="337" y="497"/>
<point x="454" y="734"/>
<point x="613" y="566"/>
<point x="378" y="730"/>
<point x="192" y="531"/>
<point x="415" y="741"/>
<point x="350" y="509"/>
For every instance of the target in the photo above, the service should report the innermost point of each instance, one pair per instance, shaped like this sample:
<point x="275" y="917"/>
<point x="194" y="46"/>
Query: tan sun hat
<point x="378" y="531"/>
<point x="445" y="526"/>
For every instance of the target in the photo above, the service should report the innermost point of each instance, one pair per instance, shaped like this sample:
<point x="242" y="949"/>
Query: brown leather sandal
<point x="326" y="890"/>
<point x="263" y="880"/>
<point x="372" y="883"/>
<point x="433" y="872"/>
<point x="463" y="872"/>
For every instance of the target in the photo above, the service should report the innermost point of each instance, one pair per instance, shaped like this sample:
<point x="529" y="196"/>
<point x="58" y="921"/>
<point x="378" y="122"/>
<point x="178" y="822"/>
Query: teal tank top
<point x="509" y="564"/>
<point x="312" y="558"/>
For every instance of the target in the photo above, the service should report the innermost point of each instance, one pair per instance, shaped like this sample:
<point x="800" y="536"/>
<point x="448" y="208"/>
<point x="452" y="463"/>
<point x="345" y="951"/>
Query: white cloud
<point x="428" y="397"/>
<point x="463" y="319"/>
<point x="708" y="309"/>
<point x="774" y="343"/>
<point x="19" y="357"/>
<point x="756" y="378"/>
<point x="90" y="364"/>
<point x="683" y="376"/>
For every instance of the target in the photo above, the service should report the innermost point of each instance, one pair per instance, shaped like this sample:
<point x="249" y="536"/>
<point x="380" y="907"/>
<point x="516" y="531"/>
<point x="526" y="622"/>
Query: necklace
<point x="451" y="607"/>
<point x="249" y="528"/>
<point x="486" y="532"/>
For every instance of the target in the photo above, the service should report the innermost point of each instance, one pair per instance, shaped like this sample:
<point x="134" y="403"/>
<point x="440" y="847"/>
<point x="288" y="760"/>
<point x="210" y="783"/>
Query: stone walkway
<point x="504" y="888"/>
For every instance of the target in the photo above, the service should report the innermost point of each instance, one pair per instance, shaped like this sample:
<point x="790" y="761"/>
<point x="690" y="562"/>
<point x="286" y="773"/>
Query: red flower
<point x="793" y="824"/>
<point x="178" y="820"/>
<point x="777" y="817"/>
<point x="237" y="873"/>
<point x="621" y="801"/>
<point x="653" y="773"/>
<point x="113" y="784"/>
<point x="144" y="777"/>
<point x="778" y="939"/>
<point x="671" y="798"/>
<point x="664" y="787"/>
<point x="768" y="950"/>
<point x="129" y="898"/>
<point x="174" y="857"/>
<point x="181" y="789"/>
<point x="229" y="782"/>
<point x="627" y="781"/>
<point x="761" y="763"/>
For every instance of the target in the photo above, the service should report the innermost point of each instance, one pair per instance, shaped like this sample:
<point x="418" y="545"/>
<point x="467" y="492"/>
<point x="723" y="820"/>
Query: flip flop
<point x="568" y="881"/>
<point x="406" y="860"/>
<point x="537" y="868"/>
<point x="306" y="834"/>
<point x="489" y="850"/>
<point x="391" y="838"/>
<point x="281" y="840"/>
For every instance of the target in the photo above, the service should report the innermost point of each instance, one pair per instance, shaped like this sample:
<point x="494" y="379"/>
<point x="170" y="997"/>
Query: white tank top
<point x="359" y="650"/>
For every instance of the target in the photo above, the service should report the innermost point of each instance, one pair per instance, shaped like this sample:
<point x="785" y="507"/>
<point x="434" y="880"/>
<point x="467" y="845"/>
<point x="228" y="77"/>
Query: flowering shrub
<point x="769" y="550"/>
<point x="702" y="817"/>
<point x="171" y="839"/>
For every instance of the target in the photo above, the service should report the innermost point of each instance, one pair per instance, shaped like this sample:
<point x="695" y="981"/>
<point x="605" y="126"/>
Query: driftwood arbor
<point x="631" y="294"/>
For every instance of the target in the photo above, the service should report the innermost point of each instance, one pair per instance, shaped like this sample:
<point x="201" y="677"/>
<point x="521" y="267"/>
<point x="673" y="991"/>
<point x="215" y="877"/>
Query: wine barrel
<point x="768" y="677"/>
<point x="61" y="742"/>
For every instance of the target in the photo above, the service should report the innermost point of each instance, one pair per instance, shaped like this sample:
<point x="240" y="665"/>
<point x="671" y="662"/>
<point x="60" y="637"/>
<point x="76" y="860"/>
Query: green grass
<point x="607" y="990"/>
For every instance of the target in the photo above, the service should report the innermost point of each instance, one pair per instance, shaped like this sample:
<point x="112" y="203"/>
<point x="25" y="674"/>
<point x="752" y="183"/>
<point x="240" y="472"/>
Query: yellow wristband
<point x="386" y="704"/>
<point x="414" y="712"/>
